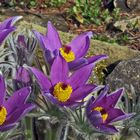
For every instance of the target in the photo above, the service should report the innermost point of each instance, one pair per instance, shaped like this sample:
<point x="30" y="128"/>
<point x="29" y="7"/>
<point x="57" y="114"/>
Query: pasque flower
<point x="14" y="108"/>
<point x="7" y="27"/>
<point x="22" y="75"/>
<point x="21" y="78"/>
<point x="102" y="112"/>
<point x="62" y="88"/>
<point x="74" y="52"/>
<point x="23" y="49"/>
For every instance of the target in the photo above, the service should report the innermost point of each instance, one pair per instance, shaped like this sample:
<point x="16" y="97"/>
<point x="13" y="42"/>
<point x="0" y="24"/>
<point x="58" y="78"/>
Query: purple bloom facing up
<point x="64" y="89"/>
<point x="7" y="27"/>
<point x="14" y="108"/>
<point x="102" y="111"/>
<point x="74" y="52"/>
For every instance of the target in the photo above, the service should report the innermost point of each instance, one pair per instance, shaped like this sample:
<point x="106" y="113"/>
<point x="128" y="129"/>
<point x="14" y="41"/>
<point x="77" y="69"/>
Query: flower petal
<point x="18" y="113"/>
<point x="42" y="80"/>
<point x="95" y="118"/>
<point x="96" y="58"/>
<point x="108" y="101"/>
<point x="110" y="129"/>
<point x="81" y="92"/>
<point x="77" y="64"/>
<point x="80" y="44"/>
<point x="9" y="22"/>
<point x="53" y="37"/>
<point x="123" y="117"/>
<point x="17" y="99"/>
<point x="80" y="77"/>
<point x="4" y="33"/>
<point x="88" y="105"/>
<point x="51" y="98"/>
<point x="2" y="90"/>
<point x="22" y="75"/>
<point x="41" y="39"/>
<point x="114" y="113"/>
<point x="59" y="70"/>
<point x="112" y="99"/>
<point x="49" y="56"/>
<point x="72" y="104"/>
<point x="7" y="127"/>
<point x="101" y="96"/>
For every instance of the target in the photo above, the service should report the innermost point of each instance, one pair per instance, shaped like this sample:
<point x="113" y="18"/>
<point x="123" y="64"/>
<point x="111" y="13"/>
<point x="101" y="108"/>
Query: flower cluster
<point x="14" y="108"/>
<point x="70" y="71"/>
<point x="65" y="85"/>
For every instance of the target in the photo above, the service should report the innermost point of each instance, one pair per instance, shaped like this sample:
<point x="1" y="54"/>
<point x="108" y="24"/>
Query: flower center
<point x="3" y="113"/>
<point x="62" y="91"/>
<point x="67" y="53"/>
<point x="102" y="111"/>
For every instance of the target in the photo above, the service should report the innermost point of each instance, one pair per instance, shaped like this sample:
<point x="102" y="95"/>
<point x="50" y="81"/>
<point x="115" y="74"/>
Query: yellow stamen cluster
<point x="67" y="55"/>
<point x="3" y="113"/>
<point x="103" y="113"/>
<point x="62" y="91"/>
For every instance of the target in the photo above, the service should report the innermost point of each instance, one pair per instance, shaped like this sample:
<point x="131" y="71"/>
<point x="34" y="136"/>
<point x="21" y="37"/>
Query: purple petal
<point x="7" y="127"/>
<point x="42" y="80"/>
<point x="88" y="105"/>
<point x="17" y="99"/>
<point x="41" y="39"/>
<point x="51" y="98"/>
<point x="100" y="97"/>
<point x="82" y="51"/>
<point x="123" y="117"/>
<point x="80" y="77"/>
<point x="77" y="64"/>
<point x="21" y="41"/>
<point x="54" y="100"/>
<point x="112" y="99"/>
<point x="49" y="56"/>
<point x="22" y="75"/>
<point x="9" y="22"/>
<point x="95" y="118"/>
<point x="72" y="104"/>
<point x="18" y="113"/>
<point x="2" y="90"/>
<point x="4" y="33"/>
<point x="96" y="58"/>
<point x="59" y="70"/>
<point x="80" y="44"/>
<point x="53" y="37"/>
<point x="81" y="92"/>
<point x="110" y="129"/>
<point x="114" y="113"/>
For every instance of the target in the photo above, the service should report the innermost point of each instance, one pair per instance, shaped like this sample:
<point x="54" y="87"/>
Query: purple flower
<point x="64" y="89"/>
<point x="74" y="52"/>
<point x="22" y="78"/>
<point x="102" y="112"/>
<point x="7" y="27"/>
<point x="14" y="108"/>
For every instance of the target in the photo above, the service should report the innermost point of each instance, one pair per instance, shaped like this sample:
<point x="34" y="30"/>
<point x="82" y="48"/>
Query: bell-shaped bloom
<point x="22" y="75"/>
<point x="74" y="52"/>
<point x="7" y="27"/>
<point x="14" y="108"/>
<point x="22" y="78"/>
<point x="62" y="88"/>
<point x="102" y="112"/>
